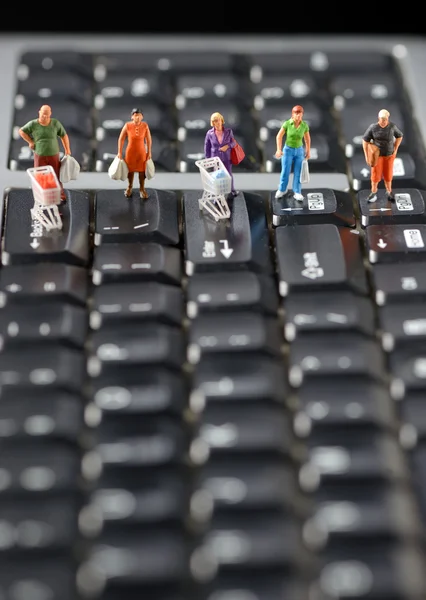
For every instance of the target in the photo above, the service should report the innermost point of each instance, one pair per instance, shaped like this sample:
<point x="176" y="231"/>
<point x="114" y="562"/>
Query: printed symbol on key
<point x="403" y="202"/>
<point x="413" y="238"/>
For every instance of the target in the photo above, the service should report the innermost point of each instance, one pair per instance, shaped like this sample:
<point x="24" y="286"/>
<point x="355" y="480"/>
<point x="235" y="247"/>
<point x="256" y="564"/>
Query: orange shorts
<point x="383" y="169"/>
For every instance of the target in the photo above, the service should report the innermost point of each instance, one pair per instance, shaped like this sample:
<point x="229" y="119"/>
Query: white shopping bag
<point x="118" y="169"/>
<point x="304" y="172"/>
<point x="149" y="169"/>
<point x="69" y="169"/>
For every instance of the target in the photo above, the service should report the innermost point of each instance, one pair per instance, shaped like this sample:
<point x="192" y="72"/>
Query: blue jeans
<point x="291" y="156"/>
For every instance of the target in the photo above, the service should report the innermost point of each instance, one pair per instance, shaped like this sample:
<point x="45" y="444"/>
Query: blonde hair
<point x="216" y="115"/>
<point x="384" y="114"/>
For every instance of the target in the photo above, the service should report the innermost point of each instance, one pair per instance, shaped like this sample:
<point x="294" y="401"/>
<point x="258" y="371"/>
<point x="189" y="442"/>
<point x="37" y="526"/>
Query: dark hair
<point x="136" y="110"/>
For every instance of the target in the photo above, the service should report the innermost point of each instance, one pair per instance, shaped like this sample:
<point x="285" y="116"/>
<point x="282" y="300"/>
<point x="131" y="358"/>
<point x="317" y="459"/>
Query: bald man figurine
<point x="42" y="136"/>
<point x="387" y="137"/>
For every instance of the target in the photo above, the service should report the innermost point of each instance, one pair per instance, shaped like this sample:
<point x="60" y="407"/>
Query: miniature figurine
<point x="138" y="151"/>
<point x="296" y="131"/>
<point x="218" y="142"/>
<point x="42" y="136"/>
<point x="387" y="137"/>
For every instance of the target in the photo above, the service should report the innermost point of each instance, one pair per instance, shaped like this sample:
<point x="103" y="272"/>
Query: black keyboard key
<point x="233" y="333"/>
<point x="194" y="119"/>
<point x="26" y="241"/>
<point x="57" y="86"/>
<point x="120" y="219"/>
<point x="141" y="443"/>
<point x="39" y="469"/>
<point x="254" y="484"/>
<point x="208" y="292"/>
<point x="404" y="173"/>
<point x="328" y="311"/>
<point x="272" y="88"/>
<point x="354" y="89"/>
<point x="122" y="500"/>
<point x="246" y="378"/>
<point x="256" y="430"/>
<point x="413" y="417"/>
<point x="145" y="345"/>
<point x="54" y="282"/>
<point x="38" y="528"/>
<point x="319" y="206"/>
<point x="396" y="243"/>
<point x="40" y="414"/>
<point x="136" y="302"/>
<point x="333" y="354"/>
<point x="408" y="370"/>
<point x="111" y="120"/>
<point x="75" y="118"/>
<point x="55" y="61"/>
<point x="364" y="404"/>
<point x="52" y="578"/>
<point x="44" y="323"/>
<point x="131" y="559"/>
<point x="205" y="87"/>
<point x="399" y="282"/>
<point x="50" y="366"/>
<point x="136" y="262"/>
<point x="409" y="207"/>
<point x="259" y="586"/>
<point x="147" y="391"/>
<point x="240" y="243"/>
<point x="402" y="324"/>
<point x="319" y="256"/>
<point x="141" y="86"/>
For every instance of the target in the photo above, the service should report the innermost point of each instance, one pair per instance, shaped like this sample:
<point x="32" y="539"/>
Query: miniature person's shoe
<point x="372" y="197"/>
<point x="280" y="194"/>
<point x="128" y="192"/>
<point x="143" y="194"/>
<point x="390" y="196"/>
<point x="298" y="197"/>
<point x="235" y="193"/>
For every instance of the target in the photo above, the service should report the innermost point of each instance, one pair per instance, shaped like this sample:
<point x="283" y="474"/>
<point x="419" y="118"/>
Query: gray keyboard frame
<point x="410" y="53"/>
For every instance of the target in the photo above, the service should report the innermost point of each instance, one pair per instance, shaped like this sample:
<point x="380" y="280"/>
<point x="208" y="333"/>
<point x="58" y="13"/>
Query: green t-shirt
<point x="294" y="135"/>
<point x="45" y="136"/>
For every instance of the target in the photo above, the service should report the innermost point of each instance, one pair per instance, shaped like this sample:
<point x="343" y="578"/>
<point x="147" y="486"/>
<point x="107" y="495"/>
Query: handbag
<point x="237" y="154"/>
<point x="69" y="169"/>
<point x="149" y="169"/>
<point x="372" y="155"/>
<point x="118" y="169"/>
<point x="304" y="172"/>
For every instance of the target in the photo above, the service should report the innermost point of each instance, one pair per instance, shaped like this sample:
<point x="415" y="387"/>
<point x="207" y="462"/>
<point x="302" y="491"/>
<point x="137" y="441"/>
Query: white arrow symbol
<point x="294" y="208"/>
<point x="371" y="209"/>
<point x="364" y="172"/>
<point x="381" y="243"/>
<point x="35" y="243"/>
<point x="226" y="250"/>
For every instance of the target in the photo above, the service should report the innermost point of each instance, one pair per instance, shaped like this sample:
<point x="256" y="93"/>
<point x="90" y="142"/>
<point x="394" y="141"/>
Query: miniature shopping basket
<point x="217" y="184"/>
<point x="47" y="195"/>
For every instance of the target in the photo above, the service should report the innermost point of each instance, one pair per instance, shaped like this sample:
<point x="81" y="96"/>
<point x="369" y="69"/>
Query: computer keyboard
<point x="194" y="409"/>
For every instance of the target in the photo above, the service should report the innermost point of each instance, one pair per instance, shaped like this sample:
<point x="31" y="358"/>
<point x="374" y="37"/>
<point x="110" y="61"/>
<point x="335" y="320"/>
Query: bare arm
<point x="279" y="140"/>
<point x="148" y="143"/>
<point x="121" y="140"/>
<point x="307" y="138"/>
<point x="396" y="145"/>
<point x="27" y="138"/>
<point x="365" y="147"/>
<point x="66" y="144"/>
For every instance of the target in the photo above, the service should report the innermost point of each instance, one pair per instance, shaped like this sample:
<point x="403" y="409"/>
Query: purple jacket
<point x="212" y="145"/>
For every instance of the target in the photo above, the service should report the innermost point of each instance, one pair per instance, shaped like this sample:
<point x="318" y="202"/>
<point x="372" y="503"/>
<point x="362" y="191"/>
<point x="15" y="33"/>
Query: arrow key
<point x="409" y="207"/>
<point x="396" y="243"/>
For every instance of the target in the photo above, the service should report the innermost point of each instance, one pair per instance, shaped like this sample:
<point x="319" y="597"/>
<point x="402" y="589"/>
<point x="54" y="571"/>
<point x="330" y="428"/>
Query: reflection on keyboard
<point x="202" y="410"/>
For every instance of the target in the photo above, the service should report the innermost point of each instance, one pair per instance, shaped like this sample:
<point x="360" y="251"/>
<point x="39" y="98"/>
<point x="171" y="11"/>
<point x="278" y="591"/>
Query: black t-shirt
<point x="383" y="137"/>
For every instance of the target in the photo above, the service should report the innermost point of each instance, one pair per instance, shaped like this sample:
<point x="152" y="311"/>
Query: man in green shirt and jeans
<point x="42" y="136"/>
<point x="296" y="131"/>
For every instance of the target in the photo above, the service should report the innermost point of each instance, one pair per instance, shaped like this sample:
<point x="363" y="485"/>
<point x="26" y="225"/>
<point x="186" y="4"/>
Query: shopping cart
<point x="217" y="185"/>
<point x="47" y="195"/>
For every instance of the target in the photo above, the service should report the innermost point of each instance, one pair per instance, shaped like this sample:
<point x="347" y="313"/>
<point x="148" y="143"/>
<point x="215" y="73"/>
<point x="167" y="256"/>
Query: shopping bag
<point x="304" y="172"/>
<point x="69" y="169"/>
<point x="118" y="169"/>
<point x="149" y="169"/>
<point x="237" y="154"/>
<point x="372" y="154"/>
